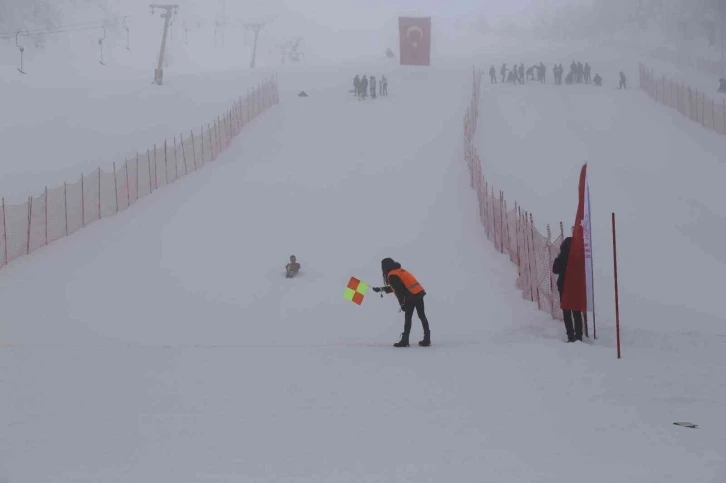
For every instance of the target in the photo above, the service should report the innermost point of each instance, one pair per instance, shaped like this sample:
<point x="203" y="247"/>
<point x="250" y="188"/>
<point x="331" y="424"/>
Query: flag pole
<point x="592" y="256"/>
<point x="617" y="303"/>
<point x="594" y="324"/>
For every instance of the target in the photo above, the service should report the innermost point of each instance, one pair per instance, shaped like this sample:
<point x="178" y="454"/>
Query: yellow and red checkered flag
<point x="355" y="291"/>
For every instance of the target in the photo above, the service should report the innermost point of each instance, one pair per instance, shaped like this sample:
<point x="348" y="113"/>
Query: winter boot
<point x="403" y="342"/>
<point x="426" y="340"/>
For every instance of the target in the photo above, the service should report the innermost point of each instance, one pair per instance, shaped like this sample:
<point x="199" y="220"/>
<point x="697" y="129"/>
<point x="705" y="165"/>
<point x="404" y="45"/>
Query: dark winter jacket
<point x="396" y="284"/>
<point x="560" y="266"/>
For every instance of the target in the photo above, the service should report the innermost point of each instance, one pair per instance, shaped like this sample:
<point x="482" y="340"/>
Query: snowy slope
<point x="692" y="77"/>
<point x="56" y="132"/>
<point x="659" y="172"/>
<point x="164" y="344"/>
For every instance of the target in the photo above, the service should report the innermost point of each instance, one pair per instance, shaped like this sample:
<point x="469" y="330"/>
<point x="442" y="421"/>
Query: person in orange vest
<point x="410" y="294"/>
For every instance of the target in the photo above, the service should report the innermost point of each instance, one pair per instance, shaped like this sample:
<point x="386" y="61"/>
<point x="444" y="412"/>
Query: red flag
<point x="415" y="40"/>
<point x="578" y="294"/>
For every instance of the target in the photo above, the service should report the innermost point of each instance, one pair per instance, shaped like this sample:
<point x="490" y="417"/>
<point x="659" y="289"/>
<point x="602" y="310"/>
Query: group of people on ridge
<point x="579" y="74"/>
<point x="517" y="73"/>
<point x="362" y="85"/>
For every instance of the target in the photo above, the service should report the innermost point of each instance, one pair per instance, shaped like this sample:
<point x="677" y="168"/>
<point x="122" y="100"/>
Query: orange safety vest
<point x="409" y="281"/>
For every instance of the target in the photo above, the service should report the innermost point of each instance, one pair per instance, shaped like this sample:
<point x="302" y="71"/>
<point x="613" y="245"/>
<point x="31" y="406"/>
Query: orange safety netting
<point x="510" y="228"/>
<point x="65" y="209"/>
<point x="689" y="102"/>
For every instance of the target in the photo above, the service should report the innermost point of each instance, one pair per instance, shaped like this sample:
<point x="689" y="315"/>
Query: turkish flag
<point x="578" y="292"/>
<point x="415" y="40"/>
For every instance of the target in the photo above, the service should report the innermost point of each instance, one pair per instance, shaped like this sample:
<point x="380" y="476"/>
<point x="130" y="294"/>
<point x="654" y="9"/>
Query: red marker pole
<point x="617" y="303"/>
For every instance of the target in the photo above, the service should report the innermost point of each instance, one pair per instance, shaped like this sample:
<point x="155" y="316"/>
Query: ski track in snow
<point x="165" y="344"/>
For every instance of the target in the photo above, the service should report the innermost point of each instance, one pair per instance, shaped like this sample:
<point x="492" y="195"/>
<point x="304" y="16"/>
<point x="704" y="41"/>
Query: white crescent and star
<point x="412" y="29"/>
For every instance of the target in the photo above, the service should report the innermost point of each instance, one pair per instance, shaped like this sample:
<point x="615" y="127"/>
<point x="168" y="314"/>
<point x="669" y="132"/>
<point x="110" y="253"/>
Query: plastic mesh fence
<point x="63" y="210"/>
<point x="57" y="222"/>
<point x="512" y="230"/>
<point x="689" y="102"/>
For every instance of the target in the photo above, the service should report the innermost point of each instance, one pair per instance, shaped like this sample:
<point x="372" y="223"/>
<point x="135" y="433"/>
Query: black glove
<point x="376" y="289"/>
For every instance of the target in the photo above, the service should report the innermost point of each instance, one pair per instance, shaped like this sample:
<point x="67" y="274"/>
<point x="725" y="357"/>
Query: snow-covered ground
<point x="657" y="170"/>
<point x="692" y="77"/>
<point x="165" y="343"/>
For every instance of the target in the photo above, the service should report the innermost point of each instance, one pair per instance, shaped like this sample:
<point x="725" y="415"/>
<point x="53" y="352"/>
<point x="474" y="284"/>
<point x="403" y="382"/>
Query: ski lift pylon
<point x="22" y="50"/>
<point x="128" y="35"/>
<point x="100" y="44"/>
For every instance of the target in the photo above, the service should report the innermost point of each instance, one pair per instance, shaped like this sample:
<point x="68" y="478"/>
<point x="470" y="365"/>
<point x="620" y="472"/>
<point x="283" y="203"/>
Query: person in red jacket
<point x="410" y="294"/>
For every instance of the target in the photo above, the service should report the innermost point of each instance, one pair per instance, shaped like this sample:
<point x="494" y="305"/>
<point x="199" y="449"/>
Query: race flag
<point x="355" y="291"/>
<point x="578" y="294"/>
<point x="415" y="40"/>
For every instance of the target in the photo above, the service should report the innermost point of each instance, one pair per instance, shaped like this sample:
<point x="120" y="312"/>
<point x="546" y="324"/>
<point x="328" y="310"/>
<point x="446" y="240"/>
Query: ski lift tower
<point x="167" y="12"/>
<point x="255" y="27"/>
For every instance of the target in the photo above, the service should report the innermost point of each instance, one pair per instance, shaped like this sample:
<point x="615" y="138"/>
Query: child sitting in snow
<point x="292" y="268"/>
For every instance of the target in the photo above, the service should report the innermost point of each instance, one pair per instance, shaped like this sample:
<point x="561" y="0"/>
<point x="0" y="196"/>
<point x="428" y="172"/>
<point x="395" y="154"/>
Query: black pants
<point x="573" y="333"/>
<point x="417" y="303"/>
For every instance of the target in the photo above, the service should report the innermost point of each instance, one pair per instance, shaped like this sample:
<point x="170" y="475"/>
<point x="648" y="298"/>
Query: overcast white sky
<point x="358" y="14"/>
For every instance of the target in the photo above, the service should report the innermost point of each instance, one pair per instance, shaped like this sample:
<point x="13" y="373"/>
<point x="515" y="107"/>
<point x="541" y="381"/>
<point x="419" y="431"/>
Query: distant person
<point x="292" y="268"/>
<point x="384" y="86"/>
<point x="588" y="70"/>
<point x="623" y="81"/>
<point x="521" y="73"/>
<point x="363" y="87"/>
<point x="410" y="295"/>
<point x="373" y="87"/>
<point x="722" y="85"/>
<point x="492" y="75"/>
<point x="504" y="72"/>
<point x="356" y="86"/>
<point x="597" y="80"/>
<point x="560" y="268"/>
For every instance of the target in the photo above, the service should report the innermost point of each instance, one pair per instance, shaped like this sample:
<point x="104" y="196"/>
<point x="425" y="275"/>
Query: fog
<point x="212" y="34"/>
